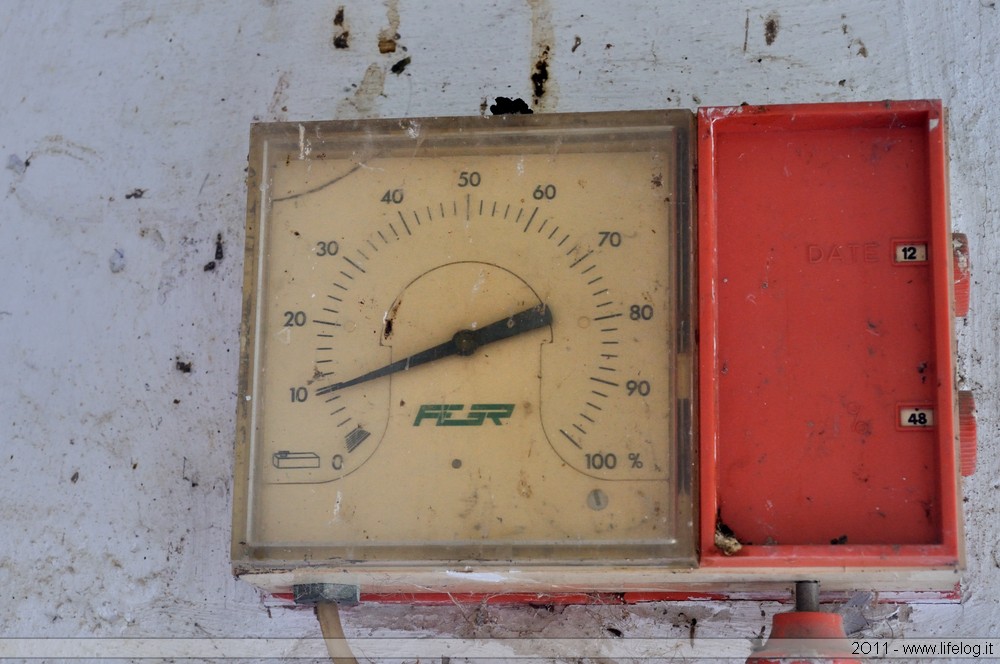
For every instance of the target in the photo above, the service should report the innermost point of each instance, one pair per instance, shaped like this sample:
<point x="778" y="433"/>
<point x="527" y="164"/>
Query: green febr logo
<point x="443" y="414"/>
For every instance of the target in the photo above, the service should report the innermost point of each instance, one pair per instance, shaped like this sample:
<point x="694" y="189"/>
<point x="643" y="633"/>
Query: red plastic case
<point x="828" y="401"/>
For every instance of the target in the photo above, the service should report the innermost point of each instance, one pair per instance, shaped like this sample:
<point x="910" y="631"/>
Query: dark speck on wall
<point x="400" y="66"/>
<point x="541" y="75"/>
<point x="136" y="193"/>
<point x="340" y="32"/>
<point x="18" y="165"/>
<point x="771" y="27"/>
<point x="507" y="106"/>
<point x="183" y="367"/>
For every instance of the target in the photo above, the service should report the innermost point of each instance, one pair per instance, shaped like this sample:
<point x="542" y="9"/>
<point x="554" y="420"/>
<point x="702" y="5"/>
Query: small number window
<point x="916" y="418"/>
<point x="911" y="252"/>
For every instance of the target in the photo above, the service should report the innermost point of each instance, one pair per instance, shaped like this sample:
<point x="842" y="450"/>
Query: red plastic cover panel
<point x="827" y="403"/>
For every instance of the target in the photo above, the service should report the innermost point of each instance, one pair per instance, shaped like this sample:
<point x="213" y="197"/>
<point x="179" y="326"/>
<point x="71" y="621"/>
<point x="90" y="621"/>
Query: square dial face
<point x="468" y="339"/>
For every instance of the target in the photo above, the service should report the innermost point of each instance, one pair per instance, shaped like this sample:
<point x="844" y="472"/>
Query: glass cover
<point x="468" y="339"/>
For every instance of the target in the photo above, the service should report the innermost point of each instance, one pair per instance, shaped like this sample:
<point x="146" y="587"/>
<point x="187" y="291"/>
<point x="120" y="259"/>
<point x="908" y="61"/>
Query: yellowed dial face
<point x="469" y="339"/>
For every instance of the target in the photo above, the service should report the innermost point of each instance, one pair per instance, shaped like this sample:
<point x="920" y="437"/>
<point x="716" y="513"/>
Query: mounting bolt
<point x="807" y="595"/>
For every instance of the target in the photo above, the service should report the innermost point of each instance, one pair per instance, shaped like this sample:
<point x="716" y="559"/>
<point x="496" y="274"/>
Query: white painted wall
<point x="115" y="466"/>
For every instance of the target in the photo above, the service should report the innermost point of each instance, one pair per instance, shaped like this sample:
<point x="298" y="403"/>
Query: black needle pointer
<point x="464" y="342"/>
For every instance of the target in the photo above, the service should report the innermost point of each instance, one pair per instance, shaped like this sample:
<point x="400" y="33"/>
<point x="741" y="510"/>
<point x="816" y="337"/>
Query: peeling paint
<point x="277" y="110"/>
<point x="363" y="104"/>
<point x="388" y="36"/>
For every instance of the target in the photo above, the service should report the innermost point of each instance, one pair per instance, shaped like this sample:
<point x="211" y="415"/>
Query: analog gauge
<point x="468" y="339"/>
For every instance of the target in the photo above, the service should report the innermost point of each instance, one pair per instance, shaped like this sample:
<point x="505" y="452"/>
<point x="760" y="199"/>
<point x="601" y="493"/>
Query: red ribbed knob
<point x="967" y="432"/>
<point x="805" y="625"/>
<point x="963" y="274"/>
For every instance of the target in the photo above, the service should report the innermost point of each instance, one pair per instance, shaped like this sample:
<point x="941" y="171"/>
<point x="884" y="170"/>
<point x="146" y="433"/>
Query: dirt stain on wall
<point x="544" y="91"/>
<point x="341" y="33"/>
<point x="363" y="103"/>
<point x="388" y="36"/>
<point x="278" y="107"/>
<point x="771" y="26"/>
<point x="856" y="46"/>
